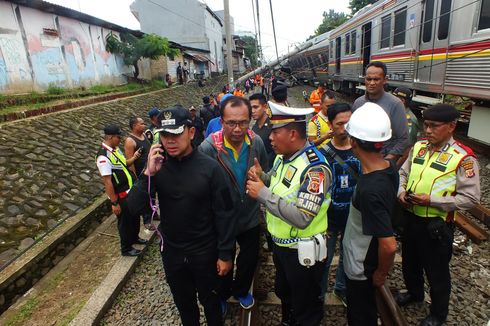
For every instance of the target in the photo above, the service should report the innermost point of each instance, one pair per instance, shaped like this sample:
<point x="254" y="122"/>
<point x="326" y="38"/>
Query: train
<point x="438" y="48"/>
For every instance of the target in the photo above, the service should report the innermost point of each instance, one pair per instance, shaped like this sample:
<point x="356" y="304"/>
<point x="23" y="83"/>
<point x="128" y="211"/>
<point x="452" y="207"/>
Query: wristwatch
<point x="115" y="203"/>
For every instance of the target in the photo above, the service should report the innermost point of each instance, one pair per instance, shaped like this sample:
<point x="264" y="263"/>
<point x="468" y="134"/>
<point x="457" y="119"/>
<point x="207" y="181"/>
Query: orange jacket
<point x="238" y="92"/>
<point x="316" y="100"/>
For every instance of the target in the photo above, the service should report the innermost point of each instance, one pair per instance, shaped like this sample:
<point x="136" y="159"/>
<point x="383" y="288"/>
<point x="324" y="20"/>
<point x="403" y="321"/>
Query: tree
<point x="356" y="5"/>
<point x="331" y="20"/>
<point x="132" y="48"/>
<point x="251" y="46"/>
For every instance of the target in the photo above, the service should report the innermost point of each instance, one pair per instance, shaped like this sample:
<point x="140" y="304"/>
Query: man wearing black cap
<point x="118" y="180"/>
<point x="208" y="111"/>
<point x="280" y="94"/>
<point x="405" y="95"/>
<point x="297" y="201"/>
<point x="197" y="223"/>
<point x="439" y="177"/>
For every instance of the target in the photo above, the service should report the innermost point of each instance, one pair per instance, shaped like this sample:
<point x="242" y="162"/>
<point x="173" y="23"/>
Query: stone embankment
<point x="47" y="163"/>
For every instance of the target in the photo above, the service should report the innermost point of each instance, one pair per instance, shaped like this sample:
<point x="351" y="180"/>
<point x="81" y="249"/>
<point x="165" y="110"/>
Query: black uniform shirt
<point x="195" y="205"/>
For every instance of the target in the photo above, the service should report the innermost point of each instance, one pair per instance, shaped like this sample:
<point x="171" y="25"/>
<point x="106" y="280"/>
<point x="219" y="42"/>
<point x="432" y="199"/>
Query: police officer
<point x="118" y="180"/>
<point x="439" y="177"/>
<point x="296" y="200"/>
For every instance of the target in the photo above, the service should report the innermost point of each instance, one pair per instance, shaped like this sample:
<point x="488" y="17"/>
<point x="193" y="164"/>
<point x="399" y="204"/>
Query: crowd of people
<point x="355" y="176"/>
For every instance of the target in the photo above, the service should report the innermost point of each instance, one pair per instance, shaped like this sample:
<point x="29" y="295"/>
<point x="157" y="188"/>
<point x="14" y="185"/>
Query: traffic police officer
<point x="118" y="180"/>
<point x="296" y="200"/>
<point x="439" y="177"/>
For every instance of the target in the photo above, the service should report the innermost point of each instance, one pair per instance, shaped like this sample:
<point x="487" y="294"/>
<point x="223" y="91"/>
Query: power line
<point x="274" y="29"/>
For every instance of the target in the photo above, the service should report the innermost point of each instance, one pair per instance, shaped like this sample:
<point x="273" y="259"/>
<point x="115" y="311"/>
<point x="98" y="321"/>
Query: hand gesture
<point x="116" y="210"/>
<point x="223" y="267"/>
<point x="379" y="278"/>
<point x="255" y="171"/>
<point x="420" y="199"/>
<point x="155" y="160"/>
<point x="403" y="200"/>
<point x="253" y="187"/>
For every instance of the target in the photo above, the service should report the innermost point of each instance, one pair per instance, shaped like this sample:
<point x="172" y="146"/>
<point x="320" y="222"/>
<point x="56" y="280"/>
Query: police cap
<point x="280" y="93"/>
<point x="403" y="92"/>
<point x="112" y="130"/>
<point x="282" y="115"/>
<point x="153" y="112"/>
<point x="441" y="113"/>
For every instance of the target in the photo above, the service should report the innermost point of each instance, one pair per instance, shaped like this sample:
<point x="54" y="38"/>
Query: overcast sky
<point x="295" y="20"/>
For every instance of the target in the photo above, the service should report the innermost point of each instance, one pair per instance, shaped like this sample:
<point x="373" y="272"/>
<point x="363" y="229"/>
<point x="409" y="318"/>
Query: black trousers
<point x="188" y="274"/>
<point x="361" y="303"/>
<point x="246" y="263"/>
<point x="128" y="226"/>
<point x="299" y="286"/>
<point x="421" y="253"/>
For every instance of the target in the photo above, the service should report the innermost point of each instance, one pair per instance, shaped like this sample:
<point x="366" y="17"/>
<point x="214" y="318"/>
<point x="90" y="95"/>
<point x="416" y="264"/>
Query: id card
<point x="344" y="181"/>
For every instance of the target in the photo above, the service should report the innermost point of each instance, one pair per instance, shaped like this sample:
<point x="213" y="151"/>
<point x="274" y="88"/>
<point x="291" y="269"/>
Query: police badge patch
<point x="444" y="158"/>
<point x="469" y="169"/>
<point x="422" y="152"/>
<point x="289" y="175"/>
<point x="315" y="183"/>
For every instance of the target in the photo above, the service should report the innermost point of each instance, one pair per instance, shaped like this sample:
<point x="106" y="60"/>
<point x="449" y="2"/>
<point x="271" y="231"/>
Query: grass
<point x="55" y="90"/>
<point x="24" y="313"/>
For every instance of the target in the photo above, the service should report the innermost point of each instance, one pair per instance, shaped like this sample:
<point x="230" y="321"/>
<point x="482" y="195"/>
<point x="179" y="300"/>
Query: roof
<point x="198" y="56"/>
<point x="70" y="13"/>
<point x="214" y="15"/>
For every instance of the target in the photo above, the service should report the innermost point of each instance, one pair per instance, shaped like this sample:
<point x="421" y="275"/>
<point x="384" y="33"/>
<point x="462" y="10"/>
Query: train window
<point x="331" y="50"/>
<point x="444" y="19"/>
<point x="400" y="27"/>
<point x="347" y="43"/>
<point x="385" y="31"/>
<point x="353" y="42"/>
<point x="484" y="22"/>
<point x="429" y="13"/>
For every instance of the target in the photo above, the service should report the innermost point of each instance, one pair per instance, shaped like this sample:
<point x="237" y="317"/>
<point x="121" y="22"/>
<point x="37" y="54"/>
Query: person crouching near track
<point x="369" y="244"/>
<point x="197" y="222"/>
<point x="439" y="177"/>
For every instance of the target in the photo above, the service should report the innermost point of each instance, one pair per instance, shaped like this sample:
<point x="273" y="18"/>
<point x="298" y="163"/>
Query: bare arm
<point x="131" y="153"/>
<point x="109" y="190"/>
<point x="386" y="256"/>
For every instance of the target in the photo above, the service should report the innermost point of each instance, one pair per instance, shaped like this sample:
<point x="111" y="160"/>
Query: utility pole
<point x="260" y="38"/>
<point x="229" y="53"/>
<point x="255" y="27"/>
<point x="274" y="29"/>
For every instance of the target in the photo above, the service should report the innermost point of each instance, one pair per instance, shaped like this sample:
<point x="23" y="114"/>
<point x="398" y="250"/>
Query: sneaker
<point x="224" y="308"/>
<point x="247" y="301"/>
<point x="341" y="296"/>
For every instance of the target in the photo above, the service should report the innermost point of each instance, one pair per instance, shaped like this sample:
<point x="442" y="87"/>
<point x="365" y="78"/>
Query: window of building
<point x="385" y="31"/>
<point x="400" y="27"/>
<point x="429" y="14"/>
<point x="484" y="22"/>
<point x="444" y="19"/>
<point x="353" y="42"/>
<point x="347" y="43"/>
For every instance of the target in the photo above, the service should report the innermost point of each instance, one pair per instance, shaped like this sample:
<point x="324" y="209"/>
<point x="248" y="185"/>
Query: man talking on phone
<point x="197" y="223"/>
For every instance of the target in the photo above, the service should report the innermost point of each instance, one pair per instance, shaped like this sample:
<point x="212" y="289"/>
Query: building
<point x="44" y="44"/>
<point x="189" y="23"/>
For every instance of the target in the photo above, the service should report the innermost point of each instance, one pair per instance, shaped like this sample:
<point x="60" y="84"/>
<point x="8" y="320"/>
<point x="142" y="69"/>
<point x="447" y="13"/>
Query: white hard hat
<point x="370" y="123"/>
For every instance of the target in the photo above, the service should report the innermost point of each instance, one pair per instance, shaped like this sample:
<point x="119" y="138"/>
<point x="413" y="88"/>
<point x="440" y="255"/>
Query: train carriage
<point x="436" y="47"/>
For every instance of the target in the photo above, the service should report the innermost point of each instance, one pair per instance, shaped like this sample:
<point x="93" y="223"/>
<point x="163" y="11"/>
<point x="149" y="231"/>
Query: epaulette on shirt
<point x="312" y="157"/>
<point x="314" y="118"/>
<point x="463" y="148"/>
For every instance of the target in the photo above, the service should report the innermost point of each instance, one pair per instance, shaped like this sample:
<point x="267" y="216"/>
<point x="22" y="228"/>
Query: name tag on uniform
<point x="344" y="181"/>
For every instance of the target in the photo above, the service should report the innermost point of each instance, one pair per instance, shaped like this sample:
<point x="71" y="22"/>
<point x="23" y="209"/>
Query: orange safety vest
<point x="316" y="100"/>
<point x="238" y="92"/>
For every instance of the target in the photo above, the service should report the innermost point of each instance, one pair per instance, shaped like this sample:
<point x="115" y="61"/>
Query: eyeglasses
<point x="432" y="125"/>
<point x="241" y="124"/>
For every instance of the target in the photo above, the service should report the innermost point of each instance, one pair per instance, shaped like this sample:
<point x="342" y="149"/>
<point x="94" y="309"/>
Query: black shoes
<point x="133" y="252"/>
<point x="431" y="320"/>
<point x="141" y="241"/>
<point x="403" y="299"/>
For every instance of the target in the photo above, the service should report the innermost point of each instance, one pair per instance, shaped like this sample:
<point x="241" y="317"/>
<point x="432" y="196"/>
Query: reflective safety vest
<point x="122" y="178"/>
<point x="434" y="174"/>
<point x="285" y="182"/>
<point x="316" y="100"/>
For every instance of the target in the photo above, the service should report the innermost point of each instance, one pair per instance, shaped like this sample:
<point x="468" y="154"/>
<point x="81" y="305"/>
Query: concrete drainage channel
<point x="19" y="276"/>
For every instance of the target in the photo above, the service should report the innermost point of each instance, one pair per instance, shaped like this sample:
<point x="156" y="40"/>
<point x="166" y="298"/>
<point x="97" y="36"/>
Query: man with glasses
<point x="375" y="81"/>
<point x="236" y="147"/>
<point x="439" y="177"/>
<point x="118" y="180"/>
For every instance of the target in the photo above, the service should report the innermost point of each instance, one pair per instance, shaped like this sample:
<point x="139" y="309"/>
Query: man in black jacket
<point x="197" y="223"/>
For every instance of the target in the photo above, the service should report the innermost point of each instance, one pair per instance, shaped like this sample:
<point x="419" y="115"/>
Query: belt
<point x="291" y="241"/>
<point x="123" y="194"/>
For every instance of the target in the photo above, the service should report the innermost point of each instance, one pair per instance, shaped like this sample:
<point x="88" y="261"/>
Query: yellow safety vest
<point x="122" y="178"/>
<point x="290" y="173"/>
<point x="433" y="174"/>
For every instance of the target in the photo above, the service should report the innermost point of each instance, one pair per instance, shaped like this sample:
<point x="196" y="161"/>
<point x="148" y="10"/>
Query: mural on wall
<point x="62" y="51"/>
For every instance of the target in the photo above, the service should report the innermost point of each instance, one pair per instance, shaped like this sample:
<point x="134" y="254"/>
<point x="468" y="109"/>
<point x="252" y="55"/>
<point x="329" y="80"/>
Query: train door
<point x="338" y="53"/>
<point x="434" y="42"/>
<point x="366" y="45"/>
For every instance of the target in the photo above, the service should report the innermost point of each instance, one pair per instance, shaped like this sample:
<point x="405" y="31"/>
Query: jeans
<point x="333" y="236"/>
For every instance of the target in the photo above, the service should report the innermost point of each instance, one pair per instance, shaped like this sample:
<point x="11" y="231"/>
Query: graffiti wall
<point x="39" y="48"/>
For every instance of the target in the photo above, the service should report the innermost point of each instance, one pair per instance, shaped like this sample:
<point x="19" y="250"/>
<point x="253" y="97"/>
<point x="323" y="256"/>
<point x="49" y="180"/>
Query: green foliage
<point x="251" y="46"/>
<point x="356" y="5"/>
<point x="23" y="314"/>
<point x="132" y="48"/>
<point x="100" y="89"/>
<point x="331" y="20"/>
<point x="55" y="90"/>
